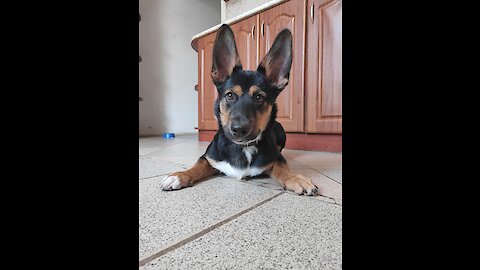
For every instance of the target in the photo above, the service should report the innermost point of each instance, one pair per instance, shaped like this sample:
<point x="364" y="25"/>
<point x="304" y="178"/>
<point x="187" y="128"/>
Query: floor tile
<point x="334" y="174"/>
<point x="169" y="216"/>
<point x="316" y="160"/>
<point x="288" y="232"/>
<point x="149" y="167"/>
<point x="148" y="145"/>
<point x="186" y="153"/>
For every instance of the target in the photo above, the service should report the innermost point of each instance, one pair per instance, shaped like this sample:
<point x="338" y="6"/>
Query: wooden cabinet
<point x="290" y="102"/>
<point x="207" y="93"/>
<point x="324" y="67"/>
<point x="310" y="107"/>
<point x="246" y="39"/>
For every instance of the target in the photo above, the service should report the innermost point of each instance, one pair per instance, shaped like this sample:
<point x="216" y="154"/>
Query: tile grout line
<point x="294" y="194"/>
<point x="203" y="232"/>
<point x="336" y="181"/>
<point x="333" y="199"/>
<point x="149" y="177"/>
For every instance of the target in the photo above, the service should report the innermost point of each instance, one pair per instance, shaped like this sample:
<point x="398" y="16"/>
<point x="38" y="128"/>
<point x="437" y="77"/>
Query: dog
<point x="249" y="141"/>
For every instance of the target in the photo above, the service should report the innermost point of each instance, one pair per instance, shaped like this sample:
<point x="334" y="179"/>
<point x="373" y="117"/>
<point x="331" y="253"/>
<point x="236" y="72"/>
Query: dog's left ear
<point x="277" y="63"/>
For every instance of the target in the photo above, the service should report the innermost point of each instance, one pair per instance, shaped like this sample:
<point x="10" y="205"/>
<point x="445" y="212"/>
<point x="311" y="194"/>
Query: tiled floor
<point x="222" y="223"/>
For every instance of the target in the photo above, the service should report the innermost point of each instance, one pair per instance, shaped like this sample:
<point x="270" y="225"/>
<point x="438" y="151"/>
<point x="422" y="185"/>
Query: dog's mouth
<point x="248" y="140"/>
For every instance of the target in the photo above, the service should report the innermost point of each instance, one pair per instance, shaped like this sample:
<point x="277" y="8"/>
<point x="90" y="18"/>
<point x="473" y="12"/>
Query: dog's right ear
<point x="277" y="63"/>
<point x="225" y="56"/>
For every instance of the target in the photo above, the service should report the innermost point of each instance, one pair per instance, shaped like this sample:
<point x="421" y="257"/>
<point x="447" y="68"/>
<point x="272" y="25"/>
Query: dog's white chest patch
<point x="239" y="173"/>
<point x="249" y="152"/>
<point x="236" y="173"/>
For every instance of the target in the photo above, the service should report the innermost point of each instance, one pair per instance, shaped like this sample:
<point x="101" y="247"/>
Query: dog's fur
<point x="249" y="140"/>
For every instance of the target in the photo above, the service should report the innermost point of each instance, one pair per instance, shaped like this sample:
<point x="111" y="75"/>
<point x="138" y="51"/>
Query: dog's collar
<point x="252" y="142"/>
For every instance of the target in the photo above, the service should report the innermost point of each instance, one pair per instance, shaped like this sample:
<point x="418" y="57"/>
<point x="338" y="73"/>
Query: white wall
<point x="168" y="71"/>
<point x="234" y="8"/>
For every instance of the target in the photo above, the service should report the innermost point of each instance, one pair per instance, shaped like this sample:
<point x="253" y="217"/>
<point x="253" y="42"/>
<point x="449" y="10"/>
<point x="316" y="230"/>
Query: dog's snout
<point x="239" y="131"/>
<point x="240" y="126"/>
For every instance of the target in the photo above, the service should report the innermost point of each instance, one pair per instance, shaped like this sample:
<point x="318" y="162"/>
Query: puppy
<point x="249" y="141"/>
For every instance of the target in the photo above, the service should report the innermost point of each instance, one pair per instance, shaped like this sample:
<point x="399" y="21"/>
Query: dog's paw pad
<point x="170" y="182"/>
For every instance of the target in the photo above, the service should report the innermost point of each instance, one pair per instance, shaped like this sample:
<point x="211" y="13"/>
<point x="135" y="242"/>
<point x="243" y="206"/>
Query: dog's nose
<point x="239" y="130"/>
<point x="240" y="126"/>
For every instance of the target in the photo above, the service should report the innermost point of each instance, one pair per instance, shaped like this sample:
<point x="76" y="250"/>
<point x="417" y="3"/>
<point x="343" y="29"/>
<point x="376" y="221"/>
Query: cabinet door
<point x="290" y="102"/>
<point x="324" y="66"/>
<point x="207" y="93"/>
<point x="246" y="38"/>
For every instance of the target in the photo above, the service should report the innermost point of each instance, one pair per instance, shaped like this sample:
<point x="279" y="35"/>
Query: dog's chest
<point x="236" y="172"/>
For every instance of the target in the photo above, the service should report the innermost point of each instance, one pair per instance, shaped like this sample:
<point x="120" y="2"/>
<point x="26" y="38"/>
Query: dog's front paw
<point x="174" y="181"/>
<point x="301" y="185"/>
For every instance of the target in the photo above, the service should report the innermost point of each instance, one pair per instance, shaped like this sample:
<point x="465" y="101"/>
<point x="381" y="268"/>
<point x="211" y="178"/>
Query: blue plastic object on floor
<point x="168" y="135"/>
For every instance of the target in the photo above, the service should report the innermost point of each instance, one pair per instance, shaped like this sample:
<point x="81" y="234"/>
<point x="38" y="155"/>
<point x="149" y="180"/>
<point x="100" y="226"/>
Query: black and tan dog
<point x="249" y="140"/>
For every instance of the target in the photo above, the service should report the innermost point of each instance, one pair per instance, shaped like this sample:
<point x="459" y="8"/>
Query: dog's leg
<point x="179" y="180"/>
<point x="295" y="182"/>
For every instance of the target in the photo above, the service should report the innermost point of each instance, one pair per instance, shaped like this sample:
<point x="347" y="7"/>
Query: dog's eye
<point x="259" y="98"/>
<point x="229" y="96"/>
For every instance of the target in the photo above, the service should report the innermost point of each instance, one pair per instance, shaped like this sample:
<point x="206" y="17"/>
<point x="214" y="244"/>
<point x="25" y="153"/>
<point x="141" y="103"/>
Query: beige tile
<point x="146" y="150"/>
<point x="182" y="148"/>
<point x="334" y="174"/>
<point x="148" y="141"/>
<point x="316" y="160"/>
<point x="288" y="232"/>
<point x="150" y="144"/>
<point x="295" y="164"/>
<point x="186" y="153"/>
<point x="166" y="217"/>
<point x="154" y="167"/>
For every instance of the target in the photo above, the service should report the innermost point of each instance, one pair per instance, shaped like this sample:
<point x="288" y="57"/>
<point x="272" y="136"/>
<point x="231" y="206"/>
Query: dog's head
<point x="246" y="98"/>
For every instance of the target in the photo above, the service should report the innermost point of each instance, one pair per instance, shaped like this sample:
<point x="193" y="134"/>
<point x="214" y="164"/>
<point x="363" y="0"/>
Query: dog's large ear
<point x="277" y="63"/>
<point x="225" y="56"/>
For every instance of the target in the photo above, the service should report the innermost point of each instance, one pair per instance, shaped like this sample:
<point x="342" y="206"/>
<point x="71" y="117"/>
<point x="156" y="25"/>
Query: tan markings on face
<point x="252" y="90"/>
<point x="224" y="113"/>
<point x="263" y="116"/>
<point x="237" y="90"/>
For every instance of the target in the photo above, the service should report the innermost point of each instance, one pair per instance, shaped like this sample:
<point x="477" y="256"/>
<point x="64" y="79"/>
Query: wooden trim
<point x="297" y="141"/>
<point x="314" y="142"/>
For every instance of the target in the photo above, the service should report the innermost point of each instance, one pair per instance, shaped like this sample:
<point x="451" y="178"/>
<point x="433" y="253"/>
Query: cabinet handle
<point x="263" y="29"/>
<point x="253" y="32"/>
<point x="311" y="12"/>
